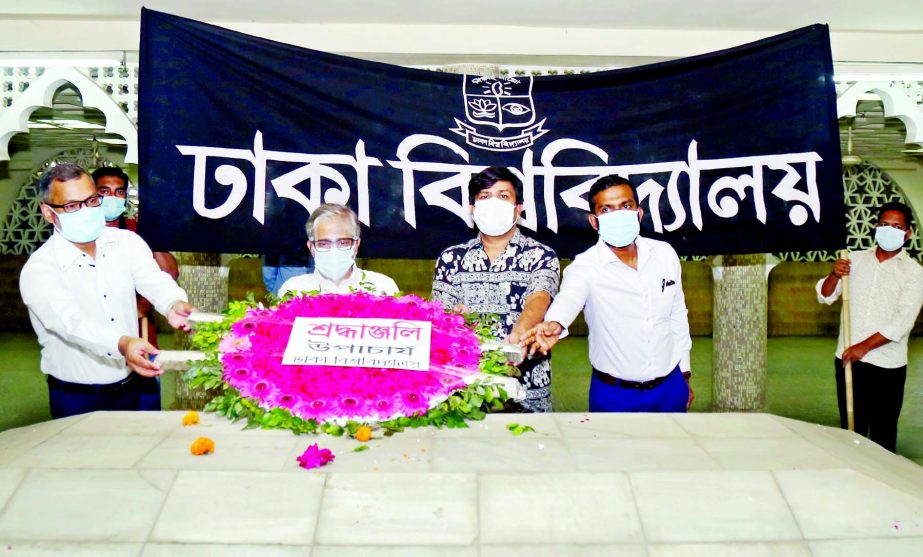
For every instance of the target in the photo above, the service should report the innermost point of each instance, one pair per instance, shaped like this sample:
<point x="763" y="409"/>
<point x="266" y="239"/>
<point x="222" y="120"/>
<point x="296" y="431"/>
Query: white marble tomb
<point x="581" y="484"/>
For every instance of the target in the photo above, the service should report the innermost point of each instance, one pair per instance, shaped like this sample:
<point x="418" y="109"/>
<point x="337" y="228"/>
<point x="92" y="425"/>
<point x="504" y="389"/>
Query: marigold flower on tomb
<point x="364" y="433"/>
<point x="202" y="445"/>
<point x="191" y="418"/>
<point x="315" y="457"/>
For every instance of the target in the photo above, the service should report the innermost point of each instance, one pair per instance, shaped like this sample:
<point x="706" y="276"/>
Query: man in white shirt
<point x="630" y="289"/>
<point x="886" y="293"/>
<point x="79" y="288"/>
<point x="333" y="239"/>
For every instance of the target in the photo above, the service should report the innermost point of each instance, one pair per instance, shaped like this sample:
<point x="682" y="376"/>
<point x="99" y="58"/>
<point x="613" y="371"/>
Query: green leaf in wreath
<point x="455" y="421"/>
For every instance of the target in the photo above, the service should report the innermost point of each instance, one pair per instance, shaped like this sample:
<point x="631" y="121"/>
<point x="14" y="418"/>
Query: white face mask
<point x="334" y="263"/>
<point x="113" y="207"/>
<point x="889" y="238"/>
<point x="494" y="217"/>
<point x="82" y="226"/>
<point x="619" y="228"/>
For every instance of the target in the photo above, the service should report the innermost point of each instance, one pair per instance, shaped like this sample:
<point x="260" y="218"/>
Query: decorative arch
<point x="15" y="119"/>
<point x="896" y="104"/>
<point x="23" y="229"/>
<point x="865" y="188"/>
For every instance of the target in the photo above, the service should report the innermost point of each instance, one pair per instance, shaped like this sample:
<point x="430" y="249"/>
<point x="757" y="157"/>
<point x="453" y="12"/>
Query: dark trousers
<point x="878" y="394"/>
<point x="670" y="396"/>
<point x="135" y="393"/>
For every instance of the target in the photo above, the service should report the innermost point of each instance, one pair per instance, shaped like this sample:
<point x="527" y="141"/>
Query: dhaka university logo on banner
<point x="500" y="113"/>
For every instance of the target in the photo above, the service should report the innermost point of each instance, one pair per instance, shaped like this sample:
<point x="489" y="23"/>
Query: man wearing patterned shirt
<point x="502" y="272"/>
<point x="887" y="292"/>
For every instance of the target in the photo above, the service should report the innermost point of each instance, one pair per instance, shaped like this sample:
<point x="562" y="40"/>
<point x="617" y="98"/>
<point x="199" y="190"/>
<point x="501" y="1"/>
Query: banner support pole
<point x="847" y="342"/>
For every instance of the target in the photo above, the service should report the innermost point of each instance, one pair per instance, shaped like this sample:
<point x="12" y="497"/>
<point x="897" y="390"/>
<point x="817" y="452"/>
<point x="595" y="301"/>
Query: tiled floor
<point x="581" y="484"/>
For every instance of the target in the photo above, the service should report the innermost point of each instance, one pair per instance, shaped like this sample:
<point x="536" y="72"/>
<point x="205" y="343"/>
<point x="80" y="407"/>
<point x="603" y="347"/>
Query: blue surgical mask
<point x="619" y="228"/>
<point x="82" y="226"/>
<point x="334" y="263"/>
<point x="113" y="207"/>
<point x="889" y="238"/>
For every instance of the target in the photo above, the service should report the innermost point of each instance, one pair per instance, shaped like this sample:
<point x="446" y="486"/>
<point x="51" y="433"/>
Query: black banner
<point x="241" y="137"/>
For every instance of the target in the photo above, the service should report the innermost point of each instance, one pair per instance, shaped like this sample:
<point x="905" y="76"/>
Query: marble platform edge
<point x="18" y="440"/>
<point x="857" y="452"/>
<point x="908" y="547"/>
<point x="862" y="455"/>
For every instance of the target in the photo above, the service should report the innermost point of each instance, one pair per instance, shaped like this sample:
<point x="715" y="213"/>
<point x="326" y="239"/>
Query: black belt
<point x="639" y="385"/>
<point x="86" y="389"/>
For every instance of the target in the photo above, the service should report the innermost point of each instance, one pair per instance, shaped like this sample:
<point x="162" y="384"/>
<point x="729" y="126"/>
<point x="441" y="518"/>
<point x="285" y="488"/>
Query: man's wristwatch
<point x="687" y="375"/>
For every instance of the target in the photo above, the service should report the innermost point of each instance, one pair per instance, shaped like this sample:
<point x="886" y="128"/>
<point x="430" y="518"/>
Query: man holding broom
<point x="886" y="294"/>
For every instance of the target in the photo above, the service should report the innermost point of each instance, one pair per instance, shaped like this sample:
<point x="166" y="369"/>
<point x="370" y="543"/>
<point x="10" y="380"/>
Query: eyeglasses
<point x="94" y="200"/>
<point x="340" y="243"/>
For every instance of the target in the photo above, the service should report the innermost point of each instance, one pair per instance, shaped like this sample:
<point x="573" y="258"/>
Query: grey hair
<point x="329" y="211"/>
<point x="61" y="172"/>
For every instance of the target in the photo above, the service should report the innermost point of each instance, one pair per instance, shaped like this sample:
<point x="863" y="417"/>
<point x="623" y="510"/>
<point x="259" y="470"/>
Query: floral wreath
<point x="243" y="362"/>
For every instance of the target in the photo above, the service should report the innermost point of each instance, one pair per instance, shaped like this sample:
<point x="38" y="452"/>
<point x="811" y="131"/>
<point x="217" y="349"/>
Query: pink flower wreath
<point x="251" y="356"/>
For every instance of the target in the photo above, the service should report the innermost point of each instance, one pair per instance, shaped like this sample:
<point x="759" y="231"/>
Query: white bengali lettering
<point x="315" y="169"/>
<point x="744" y="178"/>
